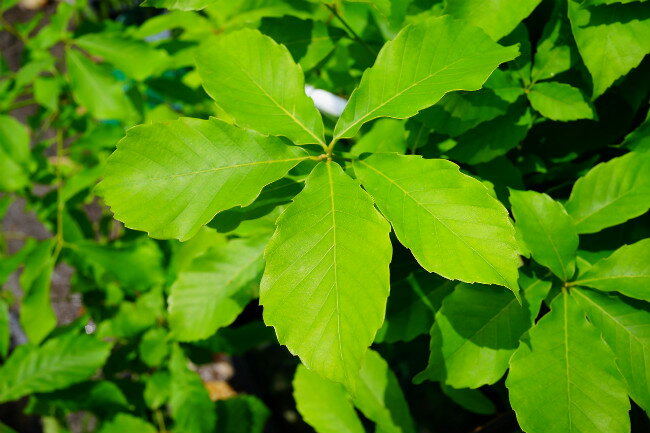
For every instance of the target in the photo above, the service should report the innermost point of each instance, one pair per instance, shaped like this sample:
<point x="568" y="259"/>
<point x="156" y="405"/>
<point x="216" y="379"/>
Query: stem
<point x="6" y="25"/>
<point x="59" y="196"/>
<point x="330" y="147"/>
<point x="21" y="104"/>
<point x="160" y="420"/>
<point x="354" y="34"/>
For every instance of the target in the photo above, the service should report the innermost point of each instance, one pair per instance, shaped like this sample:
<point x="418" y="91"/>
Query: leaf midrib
<point x="566" y="358"/>
<point x="334" y="267"/>
<point x="228" y="167"/>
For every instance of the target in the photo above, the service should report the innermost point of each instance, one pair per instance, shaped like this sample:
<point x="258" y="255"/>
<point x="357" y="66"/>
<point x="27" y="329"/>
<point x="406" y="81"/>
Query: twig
<point x="354" y="34"/>
<point x="6" y="25"/>
<point x="160" y="420"/>
<point x="59" y="196"/>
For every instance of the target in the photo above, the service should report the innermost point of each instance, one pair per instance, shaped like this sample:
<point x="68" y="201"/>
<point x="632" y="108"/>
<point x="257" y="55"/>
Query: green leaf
<point x="496" y="17"/>
<point x="611" y="39"/>
<point x="157" y="389"/>
<point x="412" y="305"/>
<point x="255" y="80"/>
<point x="458" y="112"/>
<point x="547" y="230"/>
<point x="216" y="287"/>
<point x="278" y="193"/>
<point x="37" y="317"/>
<point x="96" y="89"/>
<point x="449" y="221"/>
<point x="241" y="414"/>
<point x="494" y="138"/>
<point x="386" y="135"/>
<point x="56" y="30"/>
<point x="183" y="5"/>
<point x="611" y="193"/>
<point x="324" y="288"/>
<point x="625" y="327"/>
<point x="450" y="56"/>
<point x="47" y="91"/>
<point x="639" y="139"/>
<point x="153" y="347"/>
<point x="470" y="399"/>
<point x="190" y="404"/>
<point x="127" y="423"/>
<point x="626" y="271"/>
<point x="103" y="398"/>
<point x="137" y="59"/>
<point x="14" y="154"/>
<point x="308" y="41"/>
<point x="133" y="318"/>
<point x="477" y="330"/>
<point x="323" y="404"/>
<point x="609" y="2"/>
<point x="8" y="265"/>
<point x="380" y="398"/>
<point x="59" y="363"/>
<point x="150" y="187"/>
<point x="383" y="6"/>
<point x="556" y="50"/>
<point x="5" y="328"/>
<point x="559" y="101"/>
<point x="136" y="266"/>
<point x="563" y="377"/>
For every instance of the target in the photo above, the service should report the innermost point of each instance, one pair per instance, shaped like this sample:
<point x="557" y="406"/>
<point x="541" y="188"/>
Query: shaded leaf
<point x="386" y="135"/>
<point x="241" y="414"/>
<point x="470" y="399"/>
<point x="458" y="112"/>
<point x="14" y="154"/>
<point x="559" y="101"/>
<point x="59" y="363"/>
<point x="494" y="138"/>
<point x="379" y="396"/>
<point x="127" y="423"/>
<point x="555" y="51"/>
<point x="94" y="88"/>
<point x="324" y="405"/>
<point x="37" y="317"/>
<point x="137" y="59"/>
<point x="188" y="398"/>
<point x="154" y="348"/>
<point x="412" y="305"/>
<point x="183" y="5"/>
